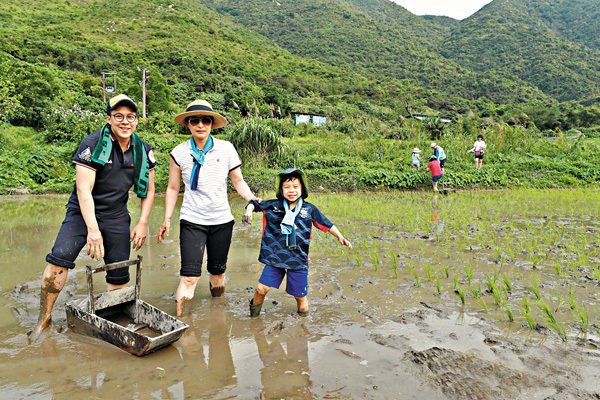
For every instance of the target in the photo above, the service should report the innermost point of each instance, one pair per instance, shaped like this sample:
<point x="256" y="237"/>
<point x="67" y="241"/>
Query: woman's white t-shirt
<point x="208" y="205"/>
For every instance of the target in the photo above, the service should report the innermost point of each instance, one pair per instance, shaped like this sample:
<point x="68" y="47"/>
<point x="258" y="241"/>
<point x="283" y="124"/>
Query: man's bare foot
<point x="183" y="306"/>
<point x="38" y="332"/>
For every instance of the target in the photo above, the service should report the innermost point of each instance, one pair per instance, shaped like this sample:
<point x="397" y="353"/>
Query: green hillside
<point x="52" y="56"/>
<point x="577" y="21"/>
<point x="365" y="64"/>
<point x="507" y="38"/>
<point x="506" y="52"/>
<point x="377" y="37"/>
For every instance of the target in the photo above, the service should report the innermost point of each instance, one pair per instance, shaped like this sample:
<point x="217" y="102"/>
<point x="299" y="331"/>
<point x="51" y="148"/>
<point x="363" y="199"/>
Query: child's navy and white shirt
<point x="273" y="248"/>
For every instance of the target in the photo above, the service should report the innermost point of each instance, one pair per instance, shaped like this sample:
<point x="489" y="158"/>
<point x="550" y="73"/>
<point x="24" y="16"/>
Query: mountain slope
<point x="375" y="36"/>
<point x="506" y="37"/>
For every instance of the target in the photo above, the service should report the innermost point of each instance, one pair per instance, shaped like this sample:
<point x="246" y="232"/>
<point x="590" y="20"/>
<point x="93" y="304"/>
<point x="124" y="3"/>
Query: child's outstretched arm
<point x="343" y="241"/>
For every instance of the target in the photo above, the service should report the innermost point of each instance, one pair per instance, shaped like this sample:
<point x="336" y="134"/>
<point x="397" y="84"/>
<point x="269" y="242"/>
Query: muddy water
<point x="373" y="333"/>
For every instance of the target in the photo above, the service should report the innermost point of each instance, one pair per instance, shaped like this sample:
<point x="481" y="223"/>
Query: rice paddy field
<point x="465" y="295"/>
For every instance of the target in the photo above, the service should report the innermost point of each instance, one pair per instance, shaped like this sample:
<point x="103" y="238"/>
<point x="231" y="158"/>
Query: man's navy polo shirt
<point x="273" y="249"/>
<point x="113" y="179"/>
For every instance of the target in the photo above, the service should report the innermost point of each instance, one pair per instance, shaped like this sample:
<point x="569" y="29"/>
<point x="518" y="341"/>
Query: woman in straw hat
<point x="203" y="163"/>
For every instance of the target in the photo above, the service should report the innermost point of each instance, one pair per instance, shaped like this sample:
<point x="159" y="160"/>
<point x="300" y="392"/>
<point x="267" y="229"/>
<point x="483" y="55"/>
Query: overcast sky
<point x="457" y="9"/>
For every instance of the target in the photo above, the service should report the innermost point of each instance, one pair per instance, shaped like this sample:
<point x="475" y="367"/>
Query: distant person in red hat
<point x="108" y="163"/>
<point x="203" y="163"/>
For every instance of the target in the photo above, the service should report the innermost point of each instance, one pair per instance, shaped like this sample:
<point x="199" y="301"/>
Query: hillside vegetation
<point x="368" y="65"/>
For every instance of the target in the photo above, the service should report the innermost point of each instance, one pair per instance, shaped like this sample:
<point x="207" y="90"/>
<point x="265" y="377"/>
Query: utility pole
<point x="145" y="79"/>
<point x="110" y="88"/>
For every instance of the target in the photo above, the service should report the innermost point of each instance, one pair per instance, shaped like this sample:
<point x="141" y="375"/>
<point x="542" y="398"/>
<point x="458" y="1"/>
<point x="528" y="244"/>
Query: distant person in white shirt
<point x="478" y="149"/>
<point x="203" y="163"/>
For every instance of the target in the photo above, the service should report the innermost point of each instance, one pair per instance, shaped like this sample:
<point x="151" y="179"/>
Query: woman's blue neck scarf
<point x="288" y="227"/>
<point x="198" y="156"/>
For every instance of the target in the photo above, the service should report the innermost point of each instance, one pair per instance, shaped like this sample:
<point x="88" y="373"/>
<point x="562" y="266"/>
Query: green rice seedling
<point x="476" y="292"/>
<point x="461" y="294"/>
<point x="537" y="259"/>
<point x="490" y="282"/>
<point x="438" y="285"/>
<point x="507" y="283"/>
<point x="528" y="318"/>
<point x="571" y="298"/>
<point x="358" y="258"/>
<point x="415" y="275"/>
<point x="428" y="272"/>
<point x="469" y="273"/>
<point x="447" y="272"/>
<point x="557" y="269"/>
<point x="394" y="263"/>
<point x="509" y="313"/>
<point x="596" y="274"/>
<point x="552" y="321"/>
<point x="484" y="306"/>
<point x="584" y="320"/>
<point x="455" y="279"/>
<point x="534" y="287"/>
<point x="497" y="296"/>
<point x="375" y="258"/>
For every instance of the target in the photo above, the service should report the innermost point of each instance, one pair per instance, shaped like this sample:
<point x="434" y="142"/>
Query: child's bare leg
<point x="302" y="304"/>
<point x="435" y="189"/>
<point x="185" y="292"/>
<point x="260" y="293"/>
<point x="259" y="297"/>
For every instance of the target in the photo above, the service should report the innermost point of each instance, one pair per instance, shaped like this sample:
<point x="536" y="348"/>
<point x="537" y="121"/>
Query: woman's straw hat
<point x="416" y="150"/>
<point x="201" y="107"/>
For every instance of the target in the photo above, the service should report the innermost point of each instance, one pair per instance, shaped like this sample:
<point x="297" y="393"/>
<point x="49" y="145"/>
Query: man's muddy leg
<point x="53" y="281"/>
<point x="185" y="293"/>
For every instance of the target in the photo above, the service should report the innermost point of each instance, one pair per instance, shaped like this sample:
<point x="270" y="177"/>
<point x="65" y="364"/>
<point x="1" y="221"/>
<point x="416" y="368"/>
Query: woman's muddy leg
<point x="185" y="292"/>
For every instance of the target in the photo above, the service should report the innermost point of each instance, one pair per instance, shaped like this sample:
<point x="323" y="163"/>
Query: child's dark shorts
<point x="72" y="237"/>
<point x="296" y="280"/>
<point x="193" y="238"/>
<point x="436" y="178"/>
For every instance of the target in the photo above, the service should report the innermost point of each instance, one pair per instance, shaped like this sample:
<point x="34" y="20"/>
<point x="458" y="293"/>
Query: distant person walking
<point x="416" y="158"/>
<point x="439" y="154"/>
<point x="203" y="163"/>
<point x="436" y="171"/>
<point x="478" y="149"/>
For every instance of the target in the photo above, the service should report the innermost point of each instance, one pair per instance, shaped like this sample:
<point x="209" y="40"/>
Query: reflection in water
<point x="285" y="372"/>
<point x="437" y="223"/>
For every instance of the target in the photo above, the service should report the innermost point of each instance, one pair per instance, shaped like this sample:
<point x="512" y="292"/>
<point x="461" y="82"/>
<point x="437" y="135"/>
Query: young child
<point x="436" y="171"/>
<point x="416" y="158"/>
<point x="287" y="226"/>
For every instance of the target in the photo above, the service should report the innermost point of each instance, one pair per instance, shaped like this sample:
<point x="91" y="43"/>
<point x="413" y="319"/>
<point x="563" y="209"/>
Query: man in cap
<point x="108" y="163"/>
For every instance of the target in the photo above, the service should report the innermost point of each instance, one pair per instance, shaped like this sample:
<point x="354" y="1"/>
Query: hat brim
<point x="219" y="120"/>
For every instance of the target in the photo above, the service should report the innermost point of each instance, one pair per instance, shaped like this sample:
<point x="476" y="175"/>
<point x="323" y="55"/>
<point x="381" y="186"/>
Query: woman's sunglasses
<point x="206" y="120"/>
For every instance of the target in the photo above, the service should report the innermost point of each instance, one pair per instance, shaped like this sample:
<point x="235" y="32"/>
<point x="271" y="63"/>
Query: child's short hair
<point x="285" y="176"/>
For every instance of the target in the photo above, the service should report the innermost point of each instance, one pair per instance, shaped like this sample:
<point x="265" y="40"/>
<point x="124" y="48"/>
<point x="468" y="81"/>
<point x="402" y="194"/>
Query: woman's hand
<point x="163" y="231"/>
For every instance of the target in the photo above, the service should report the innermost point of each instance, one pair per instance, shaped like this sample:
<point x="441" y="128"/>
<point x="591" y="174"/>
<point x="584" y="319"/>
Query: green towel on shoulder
<point x="141" y="169"/>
